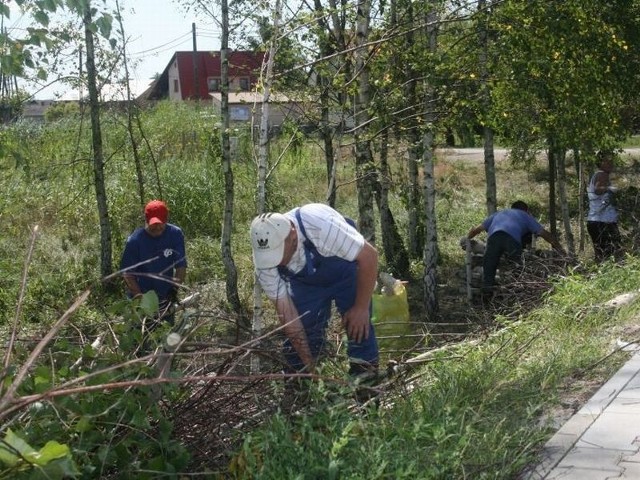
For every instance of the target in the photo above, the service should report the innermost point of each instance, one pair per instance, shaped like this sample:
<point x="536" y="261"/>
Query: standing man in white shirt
<point x="602" y="219"/>
<point x="306" y="259"/>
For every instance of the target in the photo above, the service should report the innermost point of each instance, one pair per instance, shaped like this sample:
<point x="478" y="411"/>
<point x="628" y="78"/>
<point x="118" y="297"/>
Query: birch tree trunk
<point x="393" y="247"/>
<point x="581" y="194"/>
<point x="431" y="241"/>
<point x="326" y="34"/>
<point x="365" y="169"/>
<point x="564" y="203"/>
<point x="552" y="187"/>
<point x="263" y="161"/>
<point x="106" y="267"/>
<point x="130" y="112"/>
<point x="227" y="220"/>
<point x="487" y="131"/>
<point x="415" y="240"/>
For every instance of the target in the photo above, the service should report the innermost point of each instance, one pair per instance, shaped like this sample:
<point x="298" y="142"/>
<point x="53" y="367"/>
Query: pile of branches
<point x="522" y="286"/>
<point x="212" y="416"/>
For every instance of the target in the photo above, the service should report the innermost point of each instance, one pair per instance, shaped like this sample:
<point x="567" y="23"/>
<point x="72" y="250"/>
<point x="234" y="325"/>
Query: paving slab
<point x="602" y="440"/>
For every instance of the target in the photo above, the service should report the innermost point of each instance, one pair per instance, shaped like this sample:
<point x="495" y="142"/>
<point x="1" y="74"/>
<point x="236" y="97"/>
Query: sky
<point x="156" y="29"/>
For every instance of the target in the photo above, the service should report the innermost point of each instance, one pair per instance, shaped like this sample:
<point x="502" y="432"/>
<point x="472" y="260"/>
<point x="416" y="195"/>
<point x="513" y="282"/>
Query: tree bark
<point x="263" y="161"/>
<point x="487" y="131"/>
<point x="106" y="267"/>
<point x="231" y="272"/>
<point x="392" y="245"/>
<point x="131" y="111"/>
<point x="431" y="243"/>
<point x="564" y="203"/>
<point x="552" y="187"/>
<point x="365" y="169"/>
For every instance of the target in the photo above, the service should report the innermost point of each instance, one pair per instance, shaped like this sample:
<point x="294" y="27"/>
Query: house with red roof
<point x="194" y="75"/>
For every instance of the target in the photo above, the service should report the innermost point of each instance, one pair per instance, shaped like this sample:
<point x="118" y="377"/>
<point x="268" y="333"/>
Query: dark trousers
<point x="606" y="239"/>
<point x="498" y="244"/>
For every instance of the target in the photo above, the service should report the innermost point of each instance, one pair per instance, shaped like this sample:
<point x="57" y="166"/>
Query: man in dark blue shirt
<point x="505" y="230"/>
<point x="154" y="257"/>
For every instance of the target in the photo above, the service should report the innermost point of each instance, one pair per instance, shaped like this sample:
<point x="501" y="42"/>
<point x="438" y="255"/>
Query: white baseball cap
<point x="268" y="233"/>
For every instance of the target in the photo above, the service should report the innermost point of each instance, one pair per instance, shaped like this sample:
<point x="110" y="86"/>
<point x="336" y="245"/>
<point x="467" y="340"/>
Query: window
<point x="176" y="85"/>
<point x="213" y="84"/>
<point x="239" y="113"/>
<point x="244" y="84"/>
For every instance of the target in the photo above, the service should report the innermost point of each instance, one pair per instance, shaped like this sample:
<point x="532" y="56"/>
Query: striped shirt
<point x="330" y="234"/>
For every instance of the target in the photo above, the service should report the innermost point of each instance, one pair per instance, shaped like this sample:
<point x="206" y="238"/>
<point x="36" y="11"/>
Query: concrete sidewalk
<point x="602" y="440"/>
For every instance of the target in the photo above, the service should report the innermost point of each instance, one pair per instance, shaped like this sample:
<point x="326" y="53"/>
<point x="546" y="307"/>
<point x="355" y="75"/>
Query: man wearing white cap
<point x="306" y="259"/>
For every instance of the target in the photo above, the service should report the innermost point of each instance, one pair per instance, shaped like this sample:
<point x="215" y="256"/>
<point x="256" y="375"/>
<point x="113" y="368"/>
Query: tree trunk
<point x="131" y="107"/>
<point x="431" y="241"/>
<point x="394" y="251"/>
<point x="416" y="212"/>
<point x="263" y="160"/>
<point x="564" y="203"/>
<point x="327" y="138"/>
<point x="490" y="171"/>
<point x="415" y="242"/>
<point x="365" y="169"/>
<point x="106" y="267"/>
<point x="581" y="195"/>
<point x="227" y="222"/>
<point x="552" y="187"/>
<point x="487" y="132"/>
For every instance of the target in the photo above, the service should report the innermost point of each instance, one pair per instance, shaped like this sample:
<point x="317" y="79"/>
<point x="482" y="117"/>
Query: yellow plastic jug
<point x="391" y="318"/>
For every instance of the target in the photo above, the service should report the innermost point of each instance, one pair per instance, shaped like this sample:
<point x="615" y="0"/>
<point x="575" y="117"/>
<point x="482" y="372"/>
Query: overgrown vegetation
<point x="474" y="409"/>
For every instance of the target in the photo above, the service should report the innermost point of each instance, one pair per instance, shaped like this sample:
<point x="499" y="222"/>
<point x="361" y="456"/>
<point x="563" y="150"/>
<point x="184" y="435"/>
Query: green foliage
<point x="567" y="74"/>
<point x="119" y="431"/>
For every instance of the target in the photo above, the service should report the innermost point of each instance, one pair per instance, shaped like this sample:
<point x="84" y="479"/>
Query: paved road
<point x="477" y="154"/>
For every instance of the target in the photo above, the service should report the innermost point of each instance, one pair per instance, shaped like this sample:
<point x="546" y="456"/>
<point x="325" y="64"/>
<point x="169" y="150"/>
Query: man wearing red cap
<point x="154" y="257"/>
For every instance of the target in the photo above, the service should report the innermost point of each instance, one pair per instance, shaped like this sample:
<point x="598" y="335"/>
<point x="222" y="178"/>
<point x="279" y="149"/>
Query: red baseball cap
<point x="156" y="211"/>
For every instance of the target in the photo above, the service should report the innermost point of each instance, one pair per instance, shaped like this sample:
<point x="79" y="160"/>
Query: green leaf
<point x="12" y="448"/>
<point x="41" y="17"/>
<point x="52" y="450"/>
<point x="4" y="10"/>
<point x="104" y="24"/>
<point x="150" y="303"/>
<point x="84" y="424"/>
<point x="79" y="6"/>
<point x="50" y="5"/>
<point x="59" y="468"/>
<point x="117" y="307"/>
<point x="41" y="384"/>
<point x="140" y="420"/>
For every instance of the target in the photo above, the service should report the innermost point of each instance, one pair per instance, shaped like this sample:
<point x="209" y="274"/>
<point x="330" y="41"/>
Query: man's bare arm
<point x="289" y="317"/>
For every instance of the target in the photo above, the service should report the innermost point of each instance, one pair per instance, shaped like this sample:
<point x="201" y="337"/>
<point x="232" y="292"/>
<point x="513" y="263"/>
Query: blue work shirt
<point x="168" y="252"/>
<point x="515" y="222"/>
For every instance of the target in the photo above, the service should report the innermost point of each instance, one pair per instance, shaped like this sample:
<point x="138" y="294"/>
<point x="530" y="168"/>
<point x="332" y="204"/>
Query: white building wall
<point x="175" y="92"/>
